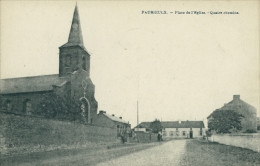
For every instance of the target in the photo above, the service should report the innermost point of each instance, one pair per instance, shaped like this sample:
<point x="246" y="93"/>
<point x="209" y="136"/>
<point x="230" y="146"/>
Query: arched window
<point x="84" y="107"/>
<point x="27" y="105"/>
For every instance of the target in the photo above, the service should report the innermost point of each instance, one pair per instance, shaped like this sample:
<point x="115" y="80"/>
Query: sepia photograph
<point x="129" y="83"/>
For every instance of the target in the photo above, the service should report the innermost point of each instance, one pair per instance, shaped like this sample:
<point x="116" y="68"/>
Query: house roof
<point x="114" y="118"/>
<point x="183" y="124"/>
<point x="233" y="105"/>
<point x="144" y="125"/>
<point x="175" y="124"/>
<point x="30" y="84"/>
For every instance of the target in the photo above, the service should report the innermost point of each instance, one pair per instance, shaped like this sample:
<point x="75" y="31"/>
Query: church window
<point x="27" y="106"/>
<point x="84" y="110"/>
<point x="84" y="62"/>
<point x="68" y="61"/>
<point x="8" y="105"/>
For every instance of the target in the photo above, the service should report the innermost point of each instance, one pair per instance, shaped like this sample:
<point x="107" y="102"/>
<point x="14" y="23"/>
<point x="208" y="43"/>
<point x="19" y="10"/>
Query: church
<point x="68" y="93"/>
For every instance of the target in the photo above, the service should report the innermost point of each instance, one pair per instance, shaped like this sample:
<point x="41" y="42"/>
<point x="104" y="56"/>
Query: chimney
<point x="179" y="122"/>
<point x="113" y="114"/>
<point x="120" y="117"/>
<point x="102" y="112"/>
<point x="236" y="97"/>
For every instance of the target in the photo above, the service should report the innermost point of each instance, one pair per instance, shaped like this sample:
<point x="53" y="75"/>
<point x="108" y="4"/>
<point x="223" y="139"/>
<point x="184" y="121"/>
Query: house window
<point x="177" y="133"/>
<point x="164" y="133"/>
<point x="183" y="133"/>
<point x="171" y="133"/>
<point x="200" y="132"/>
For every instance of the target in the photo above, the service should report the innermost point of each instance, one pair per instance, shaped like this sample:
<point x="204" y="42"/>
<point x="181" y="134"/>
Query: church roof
<point x="30" y="84"/>
<point x="75" y="36"/>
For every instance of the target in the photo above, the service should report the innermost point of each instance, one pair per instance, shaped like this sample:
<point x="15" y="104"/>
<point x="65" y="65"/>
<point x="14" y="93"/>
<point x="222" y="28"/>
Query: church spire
<point x="75" y="36"/>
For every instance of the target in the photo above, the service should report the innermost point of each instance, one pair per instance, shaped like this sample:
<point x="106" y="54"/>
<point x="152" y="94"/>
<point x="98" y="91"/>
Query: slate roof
<point x="114" y="118"/>
<point x="183" y="124"/>
<point x="175" y="124"/>
<point x="30" y="84"/>
<point x="233" y="105"/>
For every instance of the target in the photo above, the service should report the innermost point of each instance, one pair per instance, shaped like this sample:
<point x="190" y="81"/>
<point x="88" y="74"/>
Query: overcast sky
<point x="179" y="67"/>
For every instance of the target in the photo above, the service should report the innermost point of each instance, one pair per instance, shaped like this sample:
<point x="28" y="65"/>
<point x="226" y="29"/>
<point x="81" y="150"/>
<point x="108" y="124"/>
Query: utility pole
<point x="137" y="114"/>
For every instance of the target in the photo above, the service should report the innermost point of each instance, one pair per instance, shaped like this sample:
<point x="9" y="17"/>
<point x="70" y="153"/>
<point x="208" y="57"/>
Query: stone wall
<point x="20" y="133"/>
<point x="143" y="137"/>
<point x="249" y="141"/>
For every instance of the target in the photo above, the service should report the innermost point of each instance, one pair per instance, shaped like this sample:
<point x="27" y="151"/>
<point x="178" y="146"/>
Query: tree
<point x="225" y="121"/>
<point x="156" y="126"/>
<point x="57" y="107"/>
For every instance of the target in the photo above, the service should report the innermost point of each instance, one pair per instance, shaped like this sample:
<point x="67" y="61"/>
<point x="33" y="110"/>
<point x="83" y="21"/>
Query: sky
<point x="177" y="66"/>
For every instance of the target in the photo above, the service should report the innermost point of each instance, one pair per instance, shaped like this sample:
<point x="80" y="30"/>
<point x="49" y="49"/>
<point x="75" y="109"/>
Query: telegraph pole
<point x="137" y="113"/>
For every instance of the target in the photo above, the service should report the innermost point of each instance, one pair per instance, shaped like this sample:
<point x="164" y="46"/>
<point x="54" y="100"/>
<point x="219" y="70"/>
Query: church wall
<point x="17" y="101"/>
<point x="77" y="91"/>
<point x="21" y="134"/>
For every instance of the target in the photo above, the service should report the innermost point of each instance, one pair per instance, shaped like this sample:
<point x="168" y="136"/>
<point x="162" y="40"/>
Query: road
<point x="176" y="152"/>
<point x="169" y="153"/>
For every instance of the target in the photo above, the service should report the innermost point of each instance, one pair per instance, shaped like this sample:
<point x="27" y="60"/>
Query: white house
<point x="176" y="129"/>
<point x="183" y="129"/>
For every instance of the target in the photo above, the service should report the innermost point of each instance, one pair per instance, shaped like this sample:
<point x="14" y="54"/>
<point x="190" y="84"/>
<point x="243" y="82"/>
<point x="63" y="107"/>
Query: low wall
<point x="249" y="141"/>
<point x="143" y="137"/>
<point x="19" y="133"/>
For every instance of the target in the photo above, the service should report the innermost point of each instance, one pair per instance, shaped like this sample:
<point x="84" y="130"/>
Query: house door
<point x="191" y="134"/>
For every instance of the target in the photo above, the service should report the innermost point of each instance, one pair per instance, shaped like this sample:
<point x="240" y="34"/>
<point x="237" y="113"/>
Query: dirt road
<point x="169" y="153"/>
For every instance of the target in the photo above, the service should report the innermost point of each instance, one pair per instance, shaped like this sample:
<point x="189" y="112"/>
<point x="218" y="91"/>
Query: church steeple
<point x="73" y="55"/>
<point x="75" y="36"/>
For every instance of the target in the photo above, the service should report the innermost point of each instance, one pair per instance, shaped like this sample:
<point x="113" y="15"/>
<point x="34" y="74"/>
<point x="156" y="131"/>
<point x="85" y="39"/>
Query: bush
<point x="250" y="131"/>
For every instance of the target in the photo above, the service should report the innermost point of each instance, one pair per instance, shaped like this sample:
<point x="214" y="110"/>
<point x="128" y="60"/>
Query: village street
<point x="169" y="153"/>
<point x="185" y="152"/>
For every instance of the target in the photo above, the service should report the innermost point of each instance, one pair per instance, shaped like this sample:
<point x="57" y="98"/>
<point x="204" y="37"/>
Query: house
<point x="106" y="120"/>
<point x="177" y="129"/>
<point x="249" y="121"/>
<point x="143" y="127"/>
<point x="183" y="129"/>
<point x="25" y="95"/>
